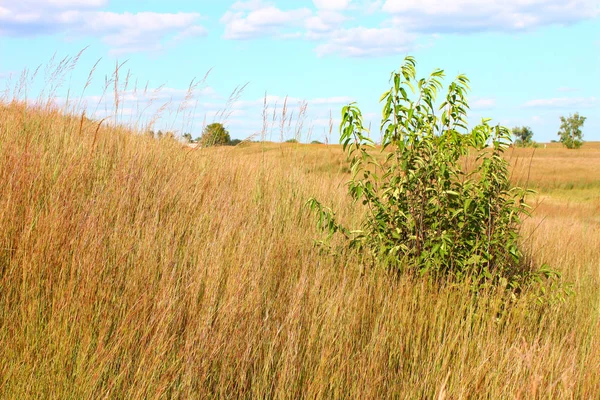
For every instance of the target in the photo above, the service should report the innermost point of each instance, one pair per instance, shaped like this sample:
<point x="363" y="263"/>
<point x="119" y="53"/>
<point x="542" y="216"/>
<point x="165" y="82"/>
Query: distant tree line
<point x="214" y="134"/>
<point x="570" y="133"/>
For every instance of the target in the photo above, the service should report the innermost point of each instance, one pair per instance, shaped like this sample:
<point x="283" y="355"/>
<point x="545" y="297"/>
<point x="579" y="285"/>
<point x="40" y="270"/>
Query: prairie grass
<point x="132" y="267"/>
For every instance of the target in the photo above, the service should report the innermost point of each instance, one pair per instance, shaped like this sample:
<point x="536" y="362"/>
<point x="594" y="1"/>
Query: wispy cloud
<point x="566" y="89"/>
<point x="272" y="100"/>
<point x="480" y="103"/>
<point x="363" y="42"/>
<point x="563" y="102"/>
<point x="439" y="16"/>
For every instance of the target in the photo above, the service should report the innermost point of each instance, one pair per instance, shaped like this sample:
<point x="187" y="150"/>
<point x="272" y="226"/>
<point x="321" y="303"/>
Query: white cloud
<point x="404" y="21"/>
<point x="315" y="114"/>
<point x="145" y="101"/>
<point x="217" y="113"/>
<point x="332" y="100"/>
<point x="123" y="112"/>
<point x="331" y="4"/>
<point x="372" y="6"/>
<point x="437" y="16"/>
<point x="479" y="103"/>
<point x="566" y="89"/>
<point x="563" y="102"/>
<point x="292" y="103"/>
<point x="74" y="3"/>
<point x="362" y="42"/>
<point x="249" y="5"/>
<point x="323" y="22"/>
<point x="123" y="32"/>
<point x="255" y="19"/>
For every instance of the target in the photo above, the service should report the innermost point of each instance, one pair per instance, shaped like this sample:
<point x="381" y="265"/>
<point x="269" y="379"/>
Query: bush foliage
<point x="570" y="131"/>
<point x="426" y="212"/>
<point x="523" y="136"/>
<point x="214" y="134"/>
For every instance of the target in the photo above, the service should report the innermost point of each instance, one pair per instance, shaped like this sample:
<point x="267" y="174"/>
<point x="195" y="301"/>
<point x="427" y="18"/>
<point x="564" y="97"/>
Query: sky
<point x="183" y="64"/>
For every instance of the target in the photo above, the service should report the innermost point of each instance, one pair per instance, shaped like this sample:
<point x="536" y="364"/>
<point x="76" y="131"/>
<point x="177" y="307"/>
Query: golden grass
<point x="138" y="268"/>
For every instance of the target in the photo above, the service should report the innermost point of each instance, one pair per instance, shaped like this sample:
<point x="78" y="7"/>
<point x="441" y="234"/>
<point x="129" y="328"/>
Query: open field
<point x="137" y="268"/>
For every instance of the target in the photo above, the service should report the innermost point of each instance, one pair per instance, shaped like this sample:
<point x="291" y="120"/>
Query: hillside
<point x="132" y="267"/>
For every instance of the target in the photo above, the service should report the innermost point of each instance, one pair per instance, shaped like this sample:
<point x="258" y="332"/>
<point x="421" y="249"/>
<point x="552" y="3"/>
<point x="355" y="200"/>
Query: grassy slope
<point x="131" y="267"/>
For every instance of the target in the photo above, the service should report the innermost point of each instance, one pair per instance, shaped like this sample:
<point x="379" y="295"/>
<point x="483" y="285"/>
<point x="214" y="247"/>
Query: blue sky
<point x="529" y="61"/>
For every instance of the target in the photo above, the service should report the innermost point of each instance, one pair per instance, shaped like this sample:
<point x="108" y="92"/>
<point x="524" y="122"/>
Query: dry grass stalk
<point x="132" y="269"/>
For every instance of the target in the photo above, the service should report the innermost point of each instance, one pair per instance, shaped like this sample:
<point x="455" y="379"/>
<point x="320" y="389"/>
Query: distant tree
<point x="235" y="142"/>
<point x="214" y="134"/>
<point x="291" y="141"/>
<point x="570" y="131"/>
<point x="315" y="142"/>
<point x="187" y="137"/>
<point x="523" y="136"/>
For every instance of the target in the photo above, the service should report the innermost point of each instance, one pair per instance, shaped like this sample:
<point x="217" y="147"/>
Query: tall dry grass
<point x="139" y="268"/>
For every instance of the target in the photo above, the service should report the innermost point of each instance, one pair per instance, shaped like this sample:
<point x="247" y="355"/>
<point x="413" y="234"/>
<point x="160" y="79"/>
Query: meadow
<point x="132" y="267"/>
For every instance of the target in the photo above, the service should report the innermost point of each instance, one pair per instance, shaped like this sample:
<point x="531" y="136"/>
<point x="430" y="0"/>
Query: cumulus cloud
<point x="255" y="18"/>
<point x="247" y="20"/>
<point x="331" y="4"/>
<point x="328" y="22"/>
<point x="123" y="32"/>
<point x="323" y="22"/>
<point x="252" y="19"/>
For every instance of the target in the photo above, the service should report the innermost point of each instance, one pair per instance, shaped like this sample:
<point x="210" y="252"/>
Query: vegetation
<point x="163" y="135"/>
<point x="187" y="137"/>
<point x="214" y="134"/>
<point x="425" y="212"/>
<point x="137" y="268"/>
<point x="570" y="131"/>
<point x="523" y="136"/>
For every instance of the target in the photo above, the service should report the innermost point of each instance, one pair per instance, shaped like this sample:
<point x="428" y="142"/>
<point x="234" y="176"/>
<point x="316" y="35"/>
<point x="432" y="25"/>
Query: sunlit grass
<point x="137" y="268"/>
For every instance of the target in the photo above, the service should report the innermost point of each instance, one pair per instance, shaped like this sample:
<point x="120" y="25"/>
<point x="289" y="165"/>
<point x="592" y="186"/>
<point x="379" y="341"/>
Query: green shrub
<point x="425" y="212"/>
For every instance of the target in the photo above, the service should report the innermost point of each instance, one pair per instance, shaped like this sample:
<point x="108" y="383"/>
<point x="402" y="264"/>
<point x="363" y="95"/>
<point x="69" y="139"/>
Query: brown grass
<point x="137" y="268"/>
